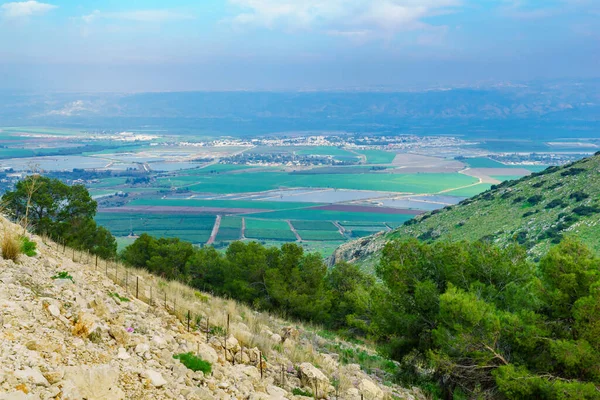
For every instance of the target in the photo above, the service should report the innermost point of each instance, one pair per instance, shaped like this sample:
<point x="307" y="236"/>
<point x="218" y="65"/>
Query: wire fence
<point x="157" y="292"/>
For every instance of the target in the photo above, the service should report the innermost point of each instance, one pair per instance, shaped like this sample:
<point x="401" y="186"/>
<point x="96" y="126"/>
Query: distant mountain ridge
<point x="535" y="211"/>
<point x="548" y="110"/>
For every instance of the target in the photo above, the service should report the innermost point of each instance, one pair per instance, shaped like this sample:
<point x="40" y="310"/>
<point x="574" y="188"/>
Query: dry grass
<point x="250" y="327"/>
<point x="11" y="246"/>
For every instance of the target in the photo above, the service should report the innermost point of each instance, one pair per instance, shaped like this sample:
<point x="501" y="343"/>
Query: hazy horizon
<point x="289" y="45"/>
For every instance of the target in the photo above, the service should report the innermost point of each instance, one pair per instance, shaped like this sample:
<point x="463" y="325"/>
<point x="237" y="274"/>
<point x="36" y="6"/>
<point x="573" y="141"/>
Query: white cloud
<point x="138" y="16"/>
<point x="349" y="18"/>
<point x="24" y="9"/>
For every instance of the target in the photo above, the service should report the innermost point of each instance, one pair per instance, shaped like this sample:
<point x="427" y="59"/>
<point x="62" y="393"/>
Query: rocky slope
<point x="86" y="337"/>
<point x="535" y="211"/>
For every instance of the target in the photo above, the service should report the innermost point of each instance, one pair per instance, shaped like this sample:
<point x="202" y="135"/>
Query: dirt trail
<point x="466" y="186"/>
<point x="215" y="230"/>
<point x="298" y="238"/>
<point x="341" y="229"/>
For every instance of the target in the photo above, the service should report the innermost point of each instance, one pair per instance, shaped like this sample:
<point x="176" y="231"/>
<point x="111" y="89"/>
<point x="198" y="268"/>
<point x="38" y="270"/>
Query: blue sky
<point x="151" y="45"/>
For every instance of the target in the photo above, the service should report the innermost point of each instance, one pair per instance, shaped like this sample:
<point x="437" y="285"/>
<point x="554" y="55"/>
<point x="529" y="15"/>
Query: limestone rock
<point x="312" y="377"/>
<point x="33" y="376"/>
<point x="155" y="378"/>
<point x="370" y="391"/>
<point x="119" y="334"/>
<point x="207" y="353"/>
<point x="94" y="383"/>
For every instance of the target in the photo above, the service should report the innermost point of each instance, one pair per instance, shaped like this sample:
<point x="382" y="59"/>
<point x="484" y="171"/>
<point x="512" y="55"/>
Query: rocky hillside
<point x="535" y="211"/>
<point x="68" y="331"/>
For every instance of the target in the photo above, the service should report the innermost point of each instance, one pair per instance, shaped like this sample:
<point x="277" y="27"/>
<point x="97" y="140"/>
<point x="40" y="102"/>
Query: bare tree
<point x="31" y="187"/>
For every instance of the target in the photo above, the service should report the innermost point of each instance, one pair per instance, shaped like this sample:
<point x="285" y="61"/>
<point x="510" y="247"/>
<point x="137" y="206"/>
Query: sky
<point x="176" y="45"/>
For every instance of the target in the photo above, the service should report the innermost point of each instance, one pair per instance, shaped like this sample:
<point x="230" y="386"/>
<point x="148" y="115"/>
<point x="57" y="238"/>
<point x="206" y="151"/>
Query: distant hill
<point x="541" y="110"/>
<point x="534" y="211"/>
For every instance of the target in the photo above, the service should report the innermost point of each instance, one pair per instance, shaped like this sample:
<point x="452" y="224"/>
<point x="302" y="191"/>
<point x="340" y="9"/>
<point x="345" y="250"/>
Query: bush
<point x="300" y="392"/>
<point x="193" y="362"/>
<point x="119" y="297"/>
<point x="579" y="196"/>
<point x="63" y="275"/>
<point x="533" y="200"/>
<point x="539" y="184"/>
<point x="573" y="171"/>
<point x="586" y="210"/>
<point x="555" y="203"/>
<point x="28" y="247"/>
<point x="11" y="248"/>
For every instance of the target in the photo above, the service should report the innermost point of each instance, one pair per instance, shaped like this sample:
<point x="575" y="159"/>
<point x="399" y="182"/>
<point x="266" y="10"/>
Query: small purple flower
<point x="130" y="330"/>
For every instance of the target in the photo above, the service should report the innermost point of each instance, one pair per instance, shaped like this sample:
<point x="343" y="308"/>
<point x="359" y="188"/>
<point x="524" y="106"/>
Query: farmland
<point x="318" y="191"/>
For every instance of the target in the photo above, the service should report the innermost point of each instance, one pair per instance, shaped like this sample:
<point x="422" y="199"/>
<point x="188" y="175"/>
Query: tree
<point x="60" y="211"/>
<point x="351" y="293"/>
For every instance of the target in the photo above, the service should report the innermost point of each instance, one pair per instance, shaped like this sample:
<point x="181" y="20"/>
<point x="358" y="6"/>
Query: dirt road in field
<point x="215" y="230"/>
<point x="298" y="238"/>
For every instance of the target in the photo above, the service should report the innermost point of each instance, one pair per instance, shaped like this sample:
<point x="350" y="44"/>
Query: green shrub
<point x="555" y="203"/>
<point x="193" y="362"/>
<point x="539" y="184"/>
<point x="63" y="275"/>
<point x="573" y="171"/>
<point x="533" y="200"/>
<point x="28" y="247"/>
<point x="300" y="392"/>
<point x="586" y="210"/>
<point x="579" y="196"/>
<point x="118" y="297"/>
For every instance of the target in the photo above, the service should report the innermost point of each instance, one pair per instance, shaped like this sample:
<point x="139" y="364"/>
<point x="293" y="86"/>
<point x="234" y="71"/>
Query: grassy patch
<point x="378" y="156"/>
<point x="300" y="392"/>
<point x="194" y="362"/>
<point x="63" y="275"/>
<point x="28" y="247"/>
<point x="119" y="297"/>
<point x="11" y="247"/>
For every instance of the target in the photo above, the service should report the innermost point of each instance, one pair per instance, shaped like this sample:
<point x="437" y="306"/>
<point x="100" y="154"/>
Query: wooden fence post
<point x="188" y="320"/>
<point x="260" y="363"/>
<point x="137" y="287"/>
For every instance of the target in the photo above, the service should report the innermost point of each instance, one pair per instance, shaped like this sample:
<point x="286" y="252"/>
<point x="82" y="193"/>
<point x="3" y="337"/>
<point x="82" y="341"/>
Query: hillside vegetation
<point x="535" y="211"/>
<point x="73" y="326"/>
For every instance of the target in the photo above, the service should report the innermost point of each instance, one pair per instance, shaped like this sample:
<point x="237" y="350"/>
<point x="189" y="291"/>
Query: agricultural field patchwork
<point x="167" y="186"/>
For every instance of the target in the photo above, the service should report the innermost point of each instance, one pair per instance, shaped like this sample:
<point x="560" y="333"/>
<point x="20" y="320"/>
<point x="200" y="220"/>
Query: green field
<point x="231" y="222"/>
<point x="314" y="226"/>
<point x="483" y="162"/>
<point x="266" y="229"/>
<point x="351" y="224"/>
<point x="377" y="156"/>
<point x="264" y="205"/>
<point x="469" y="191"/>
<point x="194" y="228"/>
<point x="266" y="224"/>
<point x="326" y="215"/>
<point x="263" y="181"/>
<point x="320" y="235"/>
<point x="228" y="234"/>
